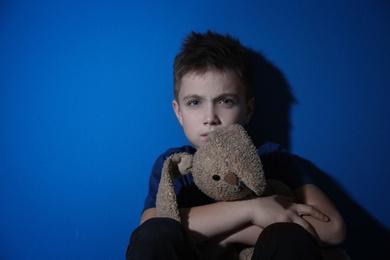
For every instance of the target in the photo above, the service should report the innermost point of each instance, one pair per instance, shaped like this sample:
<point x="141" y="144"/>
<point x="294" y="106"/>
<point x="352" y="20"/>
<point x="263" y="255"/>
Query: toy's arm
<point x="174" y="166"/>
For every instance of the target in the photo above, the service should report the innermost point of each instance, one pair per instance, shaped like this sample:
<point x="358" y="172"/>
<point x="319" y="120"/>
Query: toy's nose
<point x="231" y="178"/>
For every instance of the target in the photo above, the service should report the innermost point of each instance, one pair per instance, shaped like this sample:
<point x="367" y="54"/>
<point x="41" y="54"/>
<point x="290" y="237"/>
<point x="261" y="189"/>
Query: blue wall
<point x="85" y="109"/>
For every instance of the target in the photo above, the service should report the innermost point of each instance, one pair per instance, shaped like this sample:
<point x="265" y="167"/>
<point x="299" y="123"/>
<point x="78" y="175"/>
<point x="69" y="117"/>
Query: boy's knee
<point x="286" y="230"/>
<point x="158" y="230"/>
<point x="286" y="241"/>
<point x="287" y="235"/>
<point x="157" y="236"/>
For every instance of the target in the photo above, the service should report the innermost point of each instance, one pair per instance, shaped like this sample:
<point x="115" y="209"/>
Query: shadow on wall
<point x="366" y="237"/>
<point x="270" y="121"/>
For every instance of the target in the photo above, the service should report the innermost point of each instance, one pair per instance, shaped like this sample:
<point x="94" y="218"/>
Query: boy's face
<point x="210" y="101"/>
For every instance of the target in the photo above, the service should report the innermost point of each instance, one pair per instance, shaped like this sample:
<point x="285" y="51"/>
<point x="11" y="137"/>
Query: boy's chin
<point x="200" y="143"/>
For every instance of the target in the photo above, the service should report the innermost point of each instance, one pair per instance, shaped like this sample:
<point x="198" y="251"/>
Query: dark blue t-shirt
<point x="277" y="162"/>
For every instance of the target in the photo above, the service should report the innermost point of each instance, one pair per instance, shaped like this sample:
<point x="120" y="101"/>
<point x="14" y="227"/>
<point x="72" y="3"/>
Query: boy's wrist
<point x="249" y="208"/>
<point x="245" y="209"/>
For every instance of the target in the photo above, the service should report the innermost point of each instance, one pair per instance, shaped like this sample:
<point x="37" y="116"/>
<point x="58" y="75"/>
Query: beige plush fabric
<point x="228" y="166"/>
<point x="174" y="166"/>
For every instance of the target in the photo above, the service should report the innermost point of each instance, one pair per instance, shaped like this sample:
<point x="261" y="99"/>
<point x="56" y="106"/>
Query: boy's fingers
<point x="305" y="210"/>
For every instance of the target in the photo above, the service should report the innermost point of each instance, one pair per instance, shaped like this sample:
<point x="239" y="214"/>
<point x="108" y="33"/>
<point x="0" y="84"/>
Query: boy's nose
<point x="211" y="117"/>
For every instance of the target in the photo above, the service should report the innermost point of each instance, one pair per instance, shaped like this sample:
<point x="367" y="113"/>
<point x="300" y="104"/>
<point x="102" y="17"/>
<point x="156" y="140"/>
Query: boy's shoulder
<point x="270" y="147"/>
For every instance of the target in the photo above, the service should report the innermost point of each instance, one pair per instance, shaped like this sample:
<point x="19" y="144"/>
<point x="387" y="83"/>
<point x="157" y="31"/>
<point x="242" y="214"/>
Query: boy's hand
<point x="276" y="208"/>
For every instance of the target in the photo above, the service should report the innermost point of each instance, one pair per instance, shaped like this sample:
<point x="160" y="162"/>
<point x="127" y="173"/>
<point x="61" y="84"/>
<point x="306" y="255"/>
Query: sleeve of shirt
<point x="281" y="165"/>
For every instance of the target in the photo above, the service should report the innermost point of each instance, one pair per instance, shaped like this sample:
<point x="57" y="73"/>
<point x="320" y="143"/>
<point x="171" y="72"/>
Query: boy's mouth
<point x="206" y="136"/>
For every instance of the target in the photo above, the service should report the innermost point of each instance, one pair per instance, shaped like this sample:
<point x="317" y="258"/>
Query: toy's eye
<point x="216" y="177"/>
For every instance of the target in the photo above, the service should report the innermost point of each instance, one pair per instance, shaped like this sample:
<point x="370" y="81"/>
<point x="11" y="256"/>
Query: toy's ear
<point x="174" y="166"/>
<point x="242" y="156"/>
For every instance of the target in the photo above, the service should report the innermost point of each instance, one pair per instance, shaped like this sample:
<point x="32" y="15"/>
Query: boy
<point x="212" y="89"/>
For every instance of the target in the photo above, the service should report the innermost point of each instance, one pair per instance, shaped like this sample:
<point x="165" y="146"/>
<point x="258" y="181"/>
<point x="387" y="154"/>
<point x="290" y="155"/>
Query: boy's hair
<point x="211" y="51"/>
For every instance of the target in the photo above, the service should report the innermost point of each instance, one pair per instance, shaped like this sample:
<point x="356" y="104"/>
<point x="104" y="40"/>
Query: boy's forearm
<point x="215" y="220"/>
<point x="230" y="218"/>
<point x="226" y="221"/>
<point x="210" y="221"/>
<point x="216" y="247"/>
<point x="248" y="235"/>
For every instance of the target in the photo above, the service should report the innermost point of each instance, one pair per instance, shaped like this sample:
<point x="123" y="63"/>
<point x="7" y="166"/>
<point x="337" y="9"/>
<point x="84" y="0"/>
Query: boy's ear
<point x="176" y="108"/>
<point x="250" y="108"/>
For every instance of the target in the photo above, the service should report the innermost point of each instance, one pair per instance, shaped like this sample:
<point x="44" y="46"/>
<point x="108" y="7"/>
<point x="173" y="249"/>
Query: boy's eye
<point x="193" y="102"/>
<point x="227" y="101"/>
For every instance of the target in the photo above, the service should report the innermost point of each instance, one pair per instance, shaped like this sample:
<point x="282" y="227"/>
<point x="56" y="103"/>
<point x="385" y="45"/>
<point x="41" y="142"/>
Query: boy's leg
<point x="286" y="241"/>
<point x="160" y="238"/>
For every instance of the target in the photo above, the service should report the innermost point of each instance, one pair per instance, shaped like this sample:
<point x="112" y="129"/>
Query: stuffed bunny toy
<point x="226" y="168"/>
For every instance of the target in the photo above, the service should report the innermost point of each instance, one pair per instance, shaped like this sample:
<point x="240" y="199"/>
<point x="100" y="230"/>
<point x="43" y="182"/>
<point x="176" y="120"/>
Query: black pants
<point x="164" y="238"/>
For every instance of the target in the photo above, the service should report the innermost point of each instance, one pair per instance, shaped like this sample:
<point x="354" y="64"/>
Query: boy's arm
<point x="147" y="214"/>
<point x="309" y="199"/>
<point x="328" y="233"/>
<point x="208" y="221"/>
<point x="231" y="219"/>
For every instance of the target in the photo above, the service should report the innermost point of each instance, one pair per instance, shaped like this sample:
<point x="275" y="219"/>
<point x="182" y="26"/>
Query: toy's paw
<point x="246" y="254"/>
<point x="183" y="162"/>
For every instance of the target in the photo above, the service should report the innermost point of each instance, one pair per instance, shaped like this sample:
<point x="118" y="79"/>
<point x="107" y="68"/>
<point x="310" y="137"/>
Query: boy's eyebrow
<point x="224" y="95"/>
<point x="234" y="95"/>
<point x="192" y="96"/>
<point x="228" y="95"/>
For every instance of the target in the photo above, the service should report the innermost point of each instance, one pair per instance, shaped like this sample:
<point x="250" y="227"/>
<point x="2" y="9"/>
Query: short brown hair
<point x="212" y="52"/>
